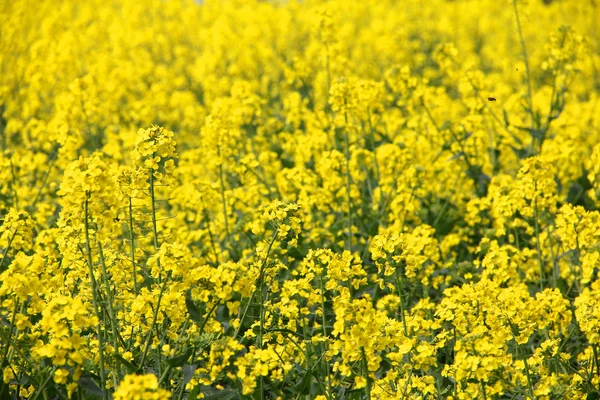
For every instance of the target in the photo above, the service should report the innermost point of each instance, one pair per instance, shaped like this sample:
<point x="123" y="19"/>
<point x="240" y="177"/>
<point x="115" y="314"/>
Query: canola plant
<point x="300" y="199"/>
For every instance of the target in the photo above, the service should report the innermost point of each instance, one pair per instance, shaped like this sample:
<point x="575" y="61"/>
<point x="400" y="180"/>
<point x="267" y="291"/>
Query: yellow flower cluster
<point x="141" y="387"/>
<point x="321" y="199"/>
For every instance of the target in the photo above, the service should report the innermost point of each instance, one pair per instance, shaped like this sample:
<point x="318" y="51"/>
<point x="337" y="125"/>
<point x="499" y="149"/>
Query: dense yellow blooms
<point x="140" y="387"/>
<point x="300" y="199"/>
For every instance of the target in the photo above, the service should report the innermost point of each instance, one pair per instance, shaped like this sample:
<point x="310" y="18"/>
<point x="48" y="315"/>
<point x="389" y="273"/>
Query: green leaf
<point x="131" y="367"/>
<point x="181" y="359"/>
<point x="4" y="391"/>
<point x="193" y="395"/>
<point x="593" y="396"/>
<point x="289" y="331"/>
<point x="87" y="383"/>
<point x="228" y="331"/>
<point x="304" y="386"/>
<point x="225" y="394"/>
<point x="195" y="314"/>
<point x="505" y="116"/>
<point x="188" y="373"/>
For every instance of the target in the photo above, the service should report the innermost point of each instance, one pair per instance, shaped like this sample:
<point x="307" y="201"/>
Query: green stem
<point x="260" y="277"/>
<point x="463" y="150"/>
<point x="595" y="350"/>
<point x="111" y="314"/>
<point x="348" y="183"/>
<point x="14" y="184"/>
<point x="366" y="372"/>
<point x="237" y="331"/>
<point x="45" y="179"/>
<point x="132" y="246"/>
<point x="259" y="336"/>
<point x="529" y="384"/>
<point x="223" y="200"/>
<point x="522" y="354"/>
<point x="201" y="328"/>
<point x="153" y="207"/>
<point x="483" y="392"/>
<point x="95" y="299"/>
<point x="454" y="356"/>
<point x="327" y="70"/>
<point x="17" y="350"/>
<point x="400" y="289"/>
<point x="5" y="255"/>
<point x="9" y="342"/>
<point x="526" y="61"/>
<point x="261" y="300"/>
<point x="405" y="388"/>
<point x="164" y="284"/>
<point x="537" y="242"/>
<point x="211" y="236"/>
<point x="373" y="145"/>
<point x="555" y="269"/>
<point x="324" y="328"/>
<point x="164" y="375"/>
<point x="42" y="389"/>
<point x="376" y="165"/>
<point x="153" y="324"/>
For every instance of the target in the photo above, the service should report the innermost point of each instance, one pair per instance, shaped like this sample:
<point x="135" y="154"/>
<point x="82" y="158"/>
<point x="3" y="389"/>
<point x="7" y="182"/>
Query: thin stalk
<point x="348" y="183"/>
<point x="153" y="324"/>
<point x="223" y="201"/>
<point x="95" y="299"/>
<point x="211" y="236"/>
<point x="201" y="328"/>
<point x="454" y="356"/>
<point x="183" y="331"/>
<point x="9" y="342"/>
<point x="5" y="255"/>
<point x="372" y="139"/>
<point x="375" y="164"/>
<point x="153" y="207"/>
<point x="132" y="247"/>
<point x="14" y="184"/>
<point x="555" y="269"/>
<point x="324" y="328"/>
<point x="400" y="289"/>
<point x="526" y="61"/>
<point x="529" y="384"/>
<point x="237" y="331"/>
<point x="261" y="385"/>
<point x="463" y="150"/>
<point x="181" y="392"/>
<point x="111" y="314"/>
<point x="259" y="336"/>
<point x="309" y="348"/>
<point x="328" y="70"/>
<point x="523" y="356"/>
<point x="491" y="111"/>
<point x="45" y="179"/>
<point x="164" y="375"/>
<point x="537" y="243"/>
<point x="42" y="389"/>
<point x="366" y="372"/>
<point x="159" y="361"/>
<point x="550" y="117"/>
<point x="164" y="284"/>
<point x="405" y="388"/>
<point x="595" y="350"/>
<point x="18" y="351"/>
<point x="260" y="277"/>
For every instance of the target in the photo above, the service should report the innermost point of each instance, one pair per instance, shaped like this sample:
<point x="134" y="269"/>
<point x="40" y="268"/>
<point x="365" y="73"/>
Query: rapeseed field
<point x="310" y="199"/>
